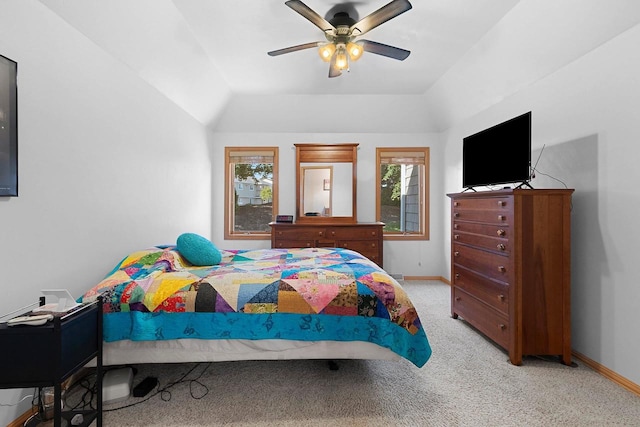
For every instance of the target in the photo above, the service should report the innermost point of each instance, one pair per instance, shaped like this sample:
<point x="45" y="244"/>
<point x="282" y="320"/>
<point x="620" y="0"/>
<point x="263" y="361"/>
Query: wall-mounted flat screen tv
<point x="500" y="154"/>
<point x="8" y="127"/>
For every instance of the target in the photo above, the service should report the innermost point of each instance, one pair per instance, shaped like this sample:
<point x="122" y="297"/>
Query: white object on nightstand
<point x="38" y="320"/>
<point x="65" y="301"/>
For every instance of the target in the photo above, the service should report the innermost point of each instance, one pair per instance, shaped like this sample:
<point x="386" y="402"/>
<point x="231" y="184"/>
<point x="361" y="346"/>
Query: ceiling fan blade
<point x="311" y="15"/>
<point x="385" y="50"/>
<point x="380" y="16"/>
<point x="294" y="48"/>
<point x="334" y="71"/>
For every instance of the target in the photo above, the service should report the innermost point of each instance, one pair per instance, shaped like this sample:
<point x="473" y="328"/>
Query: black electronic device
<point x="500" y="154"/>
<point x="145" y="386"/>
<point x="284" y="218"/>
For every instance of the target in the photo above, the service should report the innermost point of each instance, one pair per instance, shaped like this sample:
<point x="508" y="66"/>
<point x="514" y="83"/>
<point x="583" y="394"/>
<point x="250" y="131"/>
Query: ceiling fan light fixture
<point x="326" y="51"/>
<point x="355" y="51"/>
<point x="342" y="63"/>
<point x="341" y="32"/>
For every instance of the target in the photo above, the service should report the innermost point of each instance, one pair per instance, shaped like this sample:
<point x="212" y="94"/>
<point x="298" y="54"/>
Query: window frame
<point x="229" y="193"/>
<point x="383" y="152"/>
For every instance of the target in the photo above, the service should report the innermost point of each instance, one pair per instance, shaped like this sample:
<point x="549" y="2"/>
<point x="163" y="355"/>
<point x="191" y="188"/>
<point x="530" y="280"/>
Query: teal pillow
<point x="198" y="250"/>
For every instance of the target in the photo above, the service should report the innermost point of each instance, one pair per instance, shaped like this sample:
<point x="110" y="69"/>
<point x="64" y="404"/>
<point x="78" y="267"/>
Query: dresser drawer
<point x="367" y="248"/>
<point x="491" y="217"/>
<point x="493" y="210"/>
<point x="489" y="264"/>
<point x="494" y="293"/>
<point x="503" y="231"/>
<point x="494" y="244"/>
<point x="354" y="233"/>
<point x="283" y="244"/>
<point x="484" y="204"/>
<point x="300" y="233"/>
<point x="481" y="316"/>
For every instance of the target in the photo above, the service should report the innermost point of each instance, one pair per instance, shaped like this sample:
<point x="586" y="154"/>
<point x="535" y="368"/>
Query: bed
<point x="265" y="304"/>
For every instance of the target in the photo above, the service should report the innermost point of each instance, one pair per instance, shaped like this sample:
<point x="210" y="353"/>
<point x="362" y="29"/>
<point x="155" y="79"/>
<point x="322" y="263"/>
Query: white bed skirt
<point x="128" y="352"/>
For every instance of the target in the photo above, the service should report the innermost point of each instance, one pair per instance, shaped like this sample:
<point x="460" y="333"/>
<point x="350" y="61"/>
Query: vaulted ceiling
<point x="201" y="53"/>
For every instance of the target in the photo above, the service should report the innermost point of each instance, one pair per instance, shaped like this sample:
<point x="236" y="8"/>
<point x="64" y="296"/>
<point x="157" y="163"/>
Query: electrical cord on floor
<point x="164" y="392"/>
<point x="88" y="396"/>
<point x="87" y="382"/>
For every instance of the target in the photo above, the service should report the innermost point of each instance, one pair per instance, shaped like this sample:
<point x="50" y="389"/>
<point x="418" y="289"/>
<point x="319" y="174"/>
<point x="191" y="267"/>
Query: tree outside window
<point x="251" y="191"/>
<point x="402" y="193"/>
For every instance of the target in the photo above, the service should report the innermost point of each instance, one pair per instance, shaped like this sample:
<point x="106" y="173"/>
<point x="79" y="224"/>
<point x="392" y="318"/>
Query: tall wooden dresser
<point x="365" y="238"/>
<point x="510" y="268"/>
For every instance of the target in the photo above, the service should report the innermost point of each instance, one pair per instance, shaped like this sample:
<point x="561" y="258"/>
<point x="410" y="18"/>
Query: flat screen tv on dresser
<point x="500" y="154"/>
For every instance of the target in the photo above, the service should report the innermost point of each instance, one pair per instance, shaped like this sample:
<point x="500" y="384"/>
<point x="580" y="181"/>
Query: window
<point x="251" y="191"/>
<point x="402" y="195"/>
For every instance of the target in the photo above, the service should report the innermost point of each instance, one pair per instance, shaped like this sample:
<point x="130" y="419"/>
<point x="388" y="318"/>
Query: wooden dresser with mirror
<point x="326" y="194"/>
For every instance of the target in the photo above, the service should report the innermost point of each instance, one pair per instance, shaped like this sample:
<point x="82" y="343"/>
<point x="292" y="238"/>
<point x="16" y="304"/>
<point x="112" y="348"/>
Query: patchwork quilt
<point x="308" y="294"/>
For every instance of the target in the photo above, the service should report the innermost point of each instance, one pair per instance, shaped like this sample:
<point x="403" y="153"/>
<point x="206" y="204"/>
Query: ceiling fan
<point x="341" y="32"/>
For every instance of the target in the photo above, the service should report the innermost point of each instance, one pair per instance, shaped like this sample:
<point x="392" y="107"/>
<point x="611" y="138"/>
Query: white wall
<point x="414" y="258"/>
<point x="594" y="100"/>
<point x="107" y="165"/>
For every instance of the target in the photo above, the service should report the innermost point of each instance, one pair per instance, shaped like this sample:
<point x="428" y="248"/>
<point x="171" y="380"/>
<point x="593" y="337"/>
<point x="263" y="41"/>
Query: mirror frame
<point x="326" y="153"/>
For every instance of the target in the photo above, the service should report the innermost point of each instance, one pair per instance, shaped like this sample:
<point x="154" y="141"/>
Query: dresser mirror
<point x="326" y="183"/>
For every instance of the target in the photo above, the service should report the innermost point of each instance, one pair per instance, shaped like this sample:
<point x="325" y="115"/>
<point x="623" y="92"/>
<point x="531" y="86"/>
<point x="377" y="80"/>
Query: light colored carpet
<point x="467" y="382"/>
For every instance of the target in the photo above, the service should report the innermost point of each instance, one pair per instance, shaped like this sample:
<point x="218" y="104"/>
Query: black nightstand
<point x="44" y="356"/>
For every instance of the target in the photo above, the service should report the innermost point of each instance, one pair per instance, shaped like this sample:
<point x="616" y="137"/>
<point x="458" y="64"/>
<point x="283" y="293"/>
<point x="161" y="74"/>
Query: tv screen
<point x="498" y="155"/>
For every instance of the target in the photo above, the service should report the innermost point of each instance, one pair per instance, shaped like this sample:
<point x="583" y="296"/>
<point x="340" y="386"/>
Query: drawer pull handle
<point x="501" y="232"/>
<point x="456" y="214"/>
<point x="457" y="275"/>
<point x="501" y="217"/>
<point x="456" y="203"/>
<point x="501" y="246"/>
<point x="501" y="268"/>
<point x="319" y="233"/>
<point x="455" y="226"/>
<point x="457" y="298"/>
<point x="333" y="233"/>
<point x="308" y="245"/>
<point x="501" y="203"/>
<point x="456" y="253"/>
<point x="373" y="245"/>
<point x="502" y="326"/>
<point x="455" y="237"/>
<point x="501" y="297"/>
